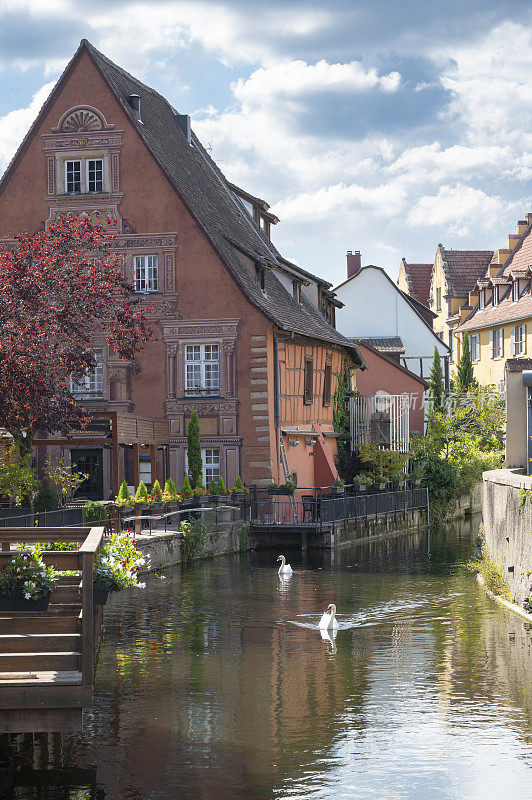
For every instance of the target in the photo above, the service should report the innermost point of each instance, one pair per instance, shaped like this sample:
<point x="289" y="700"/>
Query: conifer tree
<point x="186" y="488"/>
<point x="195" y="464"/>
<point x="465" y="378"/>
<point x="436" y="383"/>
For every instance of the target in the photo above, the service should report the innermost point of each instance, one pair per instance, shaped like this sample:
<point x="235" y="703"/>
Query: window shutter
<point x="309" y="381"/>
<point x="524" y="339"/>
<point x="514" y="340"/>
<point x="501" y="339"/>
<point x="491" y="344"/>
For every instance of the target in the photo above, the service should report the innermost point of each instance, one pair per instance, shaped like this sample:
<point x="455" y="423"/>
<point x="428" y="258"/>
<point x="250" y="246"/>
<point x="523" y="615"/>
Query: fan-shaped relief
<point x="82" y="119"/>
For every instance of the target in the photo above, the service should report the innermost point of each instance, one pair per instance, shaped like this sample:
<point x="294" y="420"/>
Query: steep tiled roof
<point x="463" y="268"/>
<point x="418" y="277"/>
<point x="505" y="311"/>
<point x="207" y="194"/>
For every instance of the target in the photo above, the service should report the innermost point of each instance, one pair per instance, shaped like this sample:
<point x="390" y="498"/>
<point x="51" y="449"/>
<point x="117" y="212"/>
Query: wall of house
<point x="374" y="307"/>
<point x="235" y="425"/>
<point x="489" y="370"/>
<point x="382" y="376"/>
<point x="312" y="458"/>
<point x="402" y="282"/>
<point x="516" y="414"/>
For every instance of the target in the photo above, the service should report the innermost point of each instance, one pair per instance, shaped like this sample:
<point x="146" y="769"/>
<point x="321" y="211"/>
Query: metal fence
<point x="59" y="518"/>
<point x="321" y="508"/>
<point x="383" y="419"/>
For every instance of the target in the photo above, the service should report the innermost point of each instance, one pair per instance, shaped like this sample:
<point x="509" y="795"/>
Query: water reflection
<point x="216" y="683"/>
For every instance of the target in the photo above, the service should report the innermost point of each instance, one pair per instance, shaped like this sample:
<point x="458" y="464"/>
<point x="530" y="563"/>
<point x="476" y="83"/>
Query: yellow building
<point x="498" y="315"/>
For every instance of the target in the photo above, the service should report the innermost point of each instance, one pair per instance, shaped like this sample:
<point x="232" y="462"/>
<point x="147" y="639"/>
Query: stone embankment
<point x="165" y="548"/>
<point x="507" y="518"/>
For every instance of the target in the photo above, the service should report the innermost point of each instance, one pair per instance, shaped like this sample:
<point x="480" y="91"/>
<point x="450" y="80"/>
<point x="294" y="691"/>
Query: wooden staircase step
<point x="66" y="594"/>
<point x="40" y="623"/>
<point x="68" y="609"/>
<point x="44" y="662"/>
<point x="37" y="642"/>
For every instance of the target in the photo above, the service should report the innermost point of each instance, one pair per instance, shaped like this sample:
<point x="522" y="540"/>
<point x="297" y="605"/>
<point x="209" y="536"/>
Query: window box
<point x="337" y="491"/>
<point x="17" y="602"/>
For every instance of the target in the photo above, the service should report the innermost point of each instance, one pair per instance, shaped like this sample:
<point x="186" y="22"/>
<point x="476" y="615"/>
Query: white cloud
<point x="460" y="209"/>
<point x="15" y="124"/>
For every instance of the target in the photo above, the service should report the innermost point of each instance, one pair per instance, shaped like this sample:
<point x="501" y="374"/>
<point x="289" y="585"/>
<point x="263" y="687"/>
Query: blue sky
<point x="385" y="127"/>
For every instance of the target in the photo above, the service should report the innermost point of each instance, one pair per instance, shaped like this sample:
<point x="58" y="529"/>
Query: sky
<point x="382" y="127"/>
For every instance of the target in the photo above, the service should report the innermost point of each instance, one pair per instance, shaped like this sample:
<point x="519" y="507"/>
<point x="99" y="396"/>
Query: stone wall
<point x="508" y="529"/>
<point x="164" y="549"/>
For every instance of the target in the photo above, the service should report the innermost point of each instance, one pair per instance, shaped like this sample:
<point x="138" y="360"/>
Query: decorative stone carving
<point x="229" y="348"/>
<point x="204" y="328"/>
<point x="148" y="241"/>
<point x="161" y="308"/>
<point x="82" y="119"/>
<point x="169" y="268"/>
<point x="127" y="227"/>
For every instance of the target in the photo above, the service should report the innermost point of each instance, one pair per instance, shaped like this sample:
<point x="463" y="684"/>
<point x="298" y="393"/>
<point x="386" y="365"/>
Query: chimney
<point x="353" y="263"/>
<point x="183" y="123"/>
<point x="134" y="102"/>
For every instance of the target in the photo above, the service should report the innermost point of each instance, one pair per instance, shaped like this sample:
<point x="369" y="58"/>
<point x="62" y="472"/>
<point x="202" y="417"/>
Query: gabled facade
<point x="243" y="336"/>
<point x="454" y="274"/>
<point x="498" y="315"/>
<point x="375" y="308"/>
<point x="414" y="280"/>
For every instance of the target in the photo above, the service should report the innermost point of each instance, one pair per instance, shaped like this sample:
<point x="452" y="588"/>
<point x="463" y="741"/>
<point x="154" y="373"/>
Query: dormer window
<point x="296" y="291"/>
<point x="515" y="291"/>
<point x="261" y="277"/>
<point x="482" y="299"/>
<point x="495" y="296"/>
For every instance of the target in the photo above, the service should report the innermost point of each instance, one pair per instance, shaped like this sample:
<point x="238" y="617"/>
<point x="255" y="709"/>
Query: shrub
<point x="156" y="492"/>
<point x="96" y="512"/>
<point x="199" y="489"/>
<point x="193" y="539"/>
<point x="195" y="464"/>
<point x="141" y="495"/>
<point x="213" y="487"/>
<point x="491" y="573"/>
<point x="170" y="489"/>
<point x="239" y="487"/>
<point x="45" y="500"/>
<point x="443" y="481"/>
<point x="124" y="499"/>
<point x="186" y="488"/>
<point x="220" y="487"/>
<point x="18" y="479"/>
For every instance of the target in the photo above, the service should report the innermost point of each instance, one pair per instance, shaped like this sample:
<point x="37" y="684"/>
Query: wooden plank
<point x="42" y="661"/>
<point x="92" y="542"/>
<point x="37" y="642"/>
<point x="75" y="534"/>
<point x="61" y="560"/>
<point x="87" y="644"/>
<point x="22" y="625"/>
<point x="49" y="689"/>
<point x="38" y="720"/>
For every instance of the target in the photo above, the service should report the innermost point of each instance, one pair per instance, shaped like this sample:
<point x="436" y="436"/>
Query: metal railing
<point x="60" y="517"/>
<point x="318" y="507"/>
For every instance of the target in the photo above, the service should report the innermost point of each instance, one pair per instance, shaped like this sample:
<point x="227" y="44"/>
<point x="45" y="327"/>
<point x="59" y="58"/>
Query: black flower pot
<point x="337" y="491"/>
<point x="359" y="487"/>
<point x="17" y="602"/>
<point x="215" y="498"/>
<point x="279" y="490"/>
<point x="238" y="496"/>
<point x="100" y="593"/>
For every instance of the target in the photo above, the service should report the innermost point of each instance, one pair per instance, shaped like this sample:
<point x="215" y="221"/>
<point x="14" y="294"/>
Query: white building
<point x="376" y="309"/>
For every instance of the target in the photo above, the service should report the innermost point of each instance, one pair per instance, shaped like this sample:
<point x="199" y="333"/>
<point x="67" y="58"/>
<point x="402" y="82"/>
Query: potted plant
<point x="141" y="496"/>
<point x="124" y="498"/>
<point x="338" y="488"/>
<point x="214" y="495"/>
<point x="416" y="476"/>
<point x="170" y="496"/>
<point x="379" y="484"/>
<point x="117" y="567"/>
<point x="187" y="495"/>
<point x="239" y="491"/>
<point x="284" y="488"/>
<point x="156" y="494"/>
<point x="201" y="493"/>
<point x="361" y="482"/>
<point x="398" y="481"/>
<point x="26" y="583"/>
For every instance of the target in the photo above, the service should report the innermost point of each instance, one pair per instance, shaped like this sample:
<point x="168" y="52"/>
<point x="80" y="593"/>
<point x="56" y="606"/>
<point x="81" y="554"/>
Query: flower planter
<point x="378" y="487"/>
<point x="215" y="498"/>
<point x="100" y="593"/>
<point x="279" y="490"/>
<point x="17" y="602"/>
<point x="415" y="482"/>
<point x="359" y="487"/>
<point x="337" y="491"/>
<point x="239" y="497"/>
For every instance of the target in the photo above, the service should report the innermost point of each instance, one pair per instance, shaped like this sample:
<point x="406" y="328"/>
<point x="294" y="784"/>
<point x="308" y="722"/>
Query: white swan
<point x="328" y="619"/>
<point x="284" y="569"/>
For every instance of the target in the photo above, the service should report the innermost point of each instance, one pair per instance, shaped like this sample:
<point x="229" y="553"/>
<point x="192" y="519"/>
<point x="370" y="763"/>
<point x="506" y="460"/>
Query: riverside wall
<point x="164" y="549"/>
<point x="508" y="528"/>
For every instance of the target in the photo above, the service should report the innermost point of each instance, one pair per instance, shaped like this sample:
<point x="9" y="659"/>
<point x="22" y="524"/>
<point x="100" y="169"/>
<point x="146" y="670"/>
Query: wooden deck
<point x="47" y="658"/>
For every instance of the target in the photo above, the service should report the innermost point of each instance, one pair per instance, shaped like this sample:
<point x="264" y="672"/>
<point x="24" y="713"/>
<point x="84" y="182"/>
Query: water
<point x="215" y="683"/>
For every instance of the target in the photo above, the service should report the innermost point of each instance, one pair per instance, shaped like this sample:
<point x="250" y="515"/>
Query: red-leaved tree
<point x="59" y="288"/>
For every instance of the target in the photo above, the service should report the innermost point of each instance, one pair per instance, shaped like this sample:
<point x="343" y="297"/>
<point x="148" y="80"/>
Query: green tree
<point x="436" y="383"/>
<point x="18" y="480"/>
<point x="341" y="410"/>
<point x="465" y="377"/>
<point x="195" y="464"/>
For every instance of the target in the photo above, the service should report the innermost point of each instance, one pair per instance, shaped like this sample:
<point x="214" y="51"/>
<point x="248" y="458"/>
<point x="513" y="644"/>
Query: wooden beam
<point x="116" y="477"/>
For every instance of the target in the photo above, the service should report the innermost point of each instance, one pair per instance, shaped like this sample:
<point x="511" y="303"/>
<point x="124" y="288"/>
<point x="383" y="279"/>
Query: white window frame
<point x="90" y="386"/>
<point x="481" y="299"/>
<point x="474" y="346"/>
<point x="519" y="340"/>
<point x="202" y="369"/>
<point x="210" y="464"/>
<point x="74" y="161"/>
<point x="87" y="162"/>
<point x="515" y="291"/>
<point x="146" y="273"/>
<point x="497" y="343"/>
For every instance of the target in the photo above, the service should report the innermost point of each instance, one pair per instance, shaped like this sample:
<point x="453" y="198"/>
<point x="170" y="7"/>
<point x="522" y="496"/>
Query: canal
<point x="214" y="683"/>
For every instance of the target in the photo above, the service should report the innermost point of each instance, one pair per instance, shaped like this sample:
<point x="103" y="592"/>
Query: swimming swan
<point x="284" y="569"/>
<point x="328" y="619"/>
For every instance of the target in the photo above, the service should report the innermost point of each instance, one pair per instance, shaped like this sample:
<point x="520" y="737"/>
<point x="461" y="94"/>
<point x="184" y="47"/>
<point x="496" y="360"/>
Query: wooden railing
<point x="49" y="655"/>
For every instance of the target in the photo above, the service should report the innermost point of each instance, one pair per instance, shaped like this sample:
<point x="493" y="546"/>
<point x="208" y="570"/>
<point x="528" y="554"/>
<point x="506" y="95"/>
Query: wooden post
<point x="115" y="459"/>
<point x="87" y="622"/>
<point x="153" y="463"/>
<point x="136" y="479"/>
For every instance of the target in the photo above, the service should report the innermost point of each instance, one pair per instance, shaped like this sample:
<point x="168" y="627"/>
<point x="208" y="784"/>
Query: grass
<point x="491" y="573"/>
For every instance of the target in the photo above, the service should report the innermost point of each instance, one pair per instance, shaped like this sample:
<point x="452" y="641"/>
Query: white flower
<point x="141" y="585"/>
<point x="27" y="596"/>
